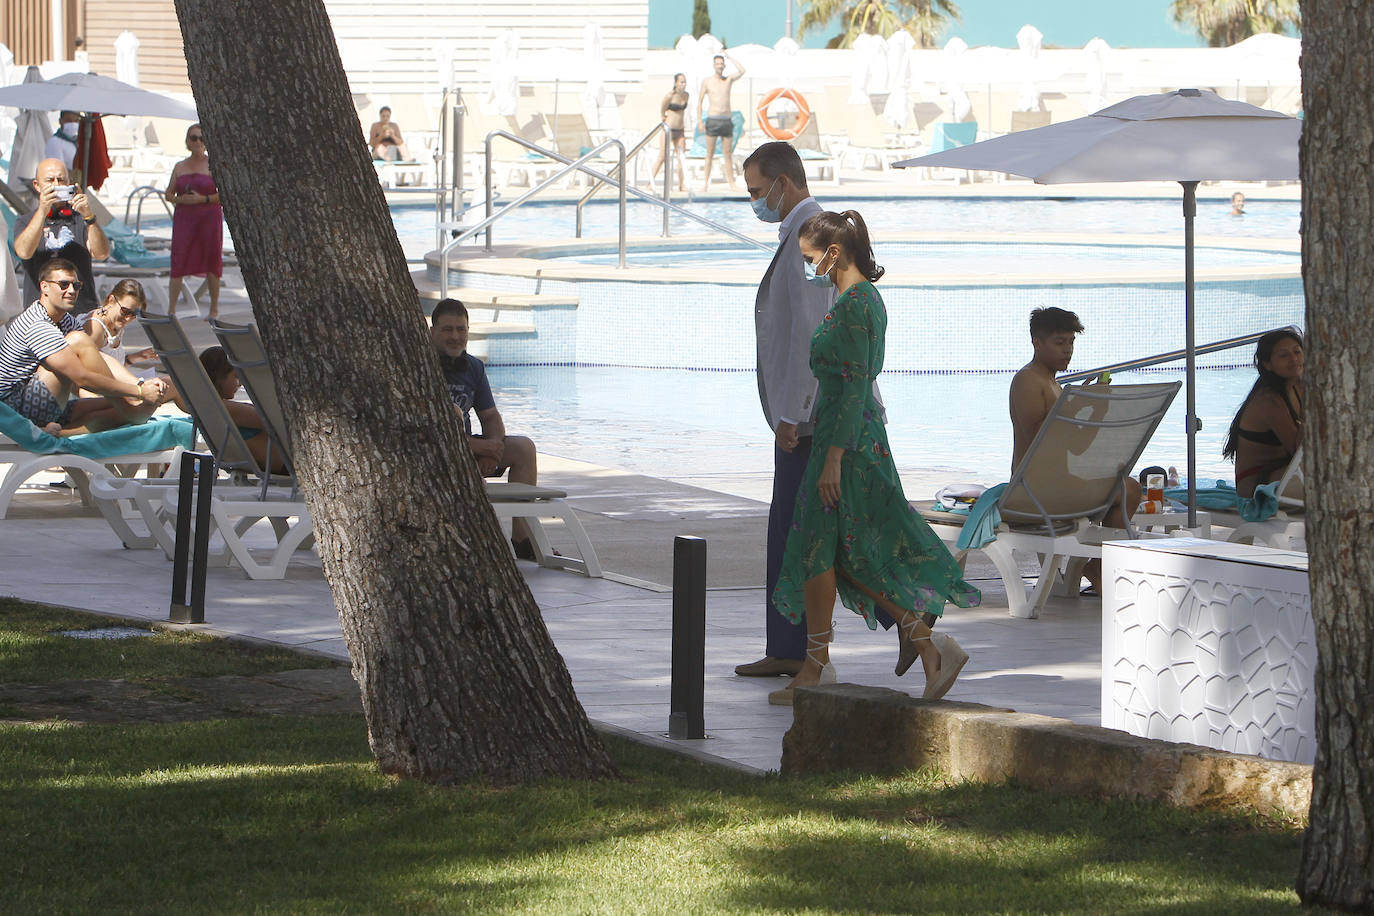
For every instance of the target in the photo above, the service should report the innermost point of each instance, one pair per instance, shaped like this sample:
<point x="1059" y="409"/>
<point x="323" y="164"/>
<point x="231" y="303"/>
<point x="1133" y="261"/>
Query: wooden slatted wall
<point x="161" y="60"/>
<point x="26" y="29"/>
<point x="389" y="46"/>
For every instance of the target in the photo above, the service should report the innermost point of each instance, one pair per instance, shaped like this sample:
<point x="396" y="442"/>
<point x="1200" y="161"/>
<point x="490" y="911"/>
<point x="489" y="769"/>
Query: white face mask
<point x="70" y="129"/>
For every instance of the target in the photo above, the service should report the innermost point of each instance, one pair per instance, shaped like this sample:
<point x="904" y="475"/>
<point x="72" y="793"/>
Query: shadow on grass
<point x="273" y="814"/>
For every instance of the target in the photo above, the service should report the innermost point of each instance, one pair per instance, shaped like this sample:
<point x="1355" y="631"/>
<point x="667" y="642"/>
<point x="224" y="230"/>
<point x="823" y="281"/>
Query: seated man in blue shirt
<point x="466" y="379"/>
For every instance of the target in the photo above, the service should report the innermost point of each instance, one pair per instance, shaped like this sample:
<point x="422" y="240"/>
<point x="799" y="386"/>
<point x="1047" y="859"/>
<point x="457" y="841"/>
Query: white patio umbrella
<point x="1095" y="72"/>
<point x="1029" y="40"/>
<point x="126" y="57"/>
<point x="30" y="136"/>
<point x="560" y="65"/>
<point x="1187" y="136"/>
<point x="503" y="89"/>
<point x="94" y="93"/>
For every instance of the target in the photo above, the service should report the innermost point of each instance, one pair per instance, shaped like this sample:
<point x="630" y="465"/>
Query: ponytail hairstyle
<point x="847" y="230"/>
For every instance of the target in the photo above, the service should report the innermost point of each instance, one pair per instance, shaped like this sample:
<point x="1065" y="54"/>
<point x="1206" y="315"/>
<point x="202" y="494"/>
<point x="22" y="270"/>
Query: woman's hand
<point x="829" y="484"/>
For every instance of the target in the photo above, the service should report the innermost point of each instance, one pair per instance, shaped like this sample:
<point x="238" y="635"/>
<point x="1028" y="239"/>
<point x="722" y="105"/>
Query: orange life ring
<point x="780" y="133"/>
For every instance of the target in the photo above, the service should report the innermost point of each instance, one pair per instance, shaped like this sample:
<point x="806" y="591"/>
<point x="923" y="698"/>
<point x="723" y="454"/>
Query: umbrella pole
<point x="1190" y="344"/>
<point x="89" y="123"/>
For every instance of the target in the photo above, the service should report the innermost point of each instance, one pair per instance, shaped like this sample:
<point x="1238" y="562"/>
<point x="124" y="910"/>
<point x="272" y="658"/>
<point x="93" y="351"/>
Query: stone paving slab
<point x="614" y="637"/>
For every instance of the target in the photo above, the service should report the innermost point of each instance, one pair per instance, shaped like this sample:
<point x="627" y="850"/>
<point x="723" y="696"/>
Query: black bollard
<point x="686" y="711"/>
<point x="195" y="468"/>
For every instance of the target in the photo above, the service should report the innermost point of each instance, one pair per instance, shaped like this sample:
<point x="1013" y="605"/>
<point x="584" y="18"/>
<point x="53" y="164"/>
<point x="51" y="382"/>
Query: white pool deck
<point x="615" y="637"/>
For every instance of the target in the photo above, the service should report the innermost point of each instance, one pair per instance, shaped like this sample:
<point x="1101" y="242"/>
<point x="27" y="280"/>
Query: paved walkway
<point x="614" y="636"/>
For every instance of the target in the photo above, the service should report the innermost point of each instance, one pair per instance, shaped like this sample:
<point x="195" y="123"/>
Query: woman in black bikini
<point x="674" y="104"/>
<point x="1267" y="429"/>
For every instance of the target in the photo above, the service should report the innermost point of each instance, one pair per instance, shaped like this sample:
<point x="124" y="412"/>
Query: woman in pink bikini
<point x="197" y="223"/>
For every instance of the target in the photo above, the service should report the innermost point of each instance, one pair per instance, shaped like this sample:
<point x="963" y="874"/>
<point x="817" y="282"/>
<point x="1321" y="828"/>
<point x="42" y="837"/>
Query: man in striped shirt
<point x="46" y="360"/>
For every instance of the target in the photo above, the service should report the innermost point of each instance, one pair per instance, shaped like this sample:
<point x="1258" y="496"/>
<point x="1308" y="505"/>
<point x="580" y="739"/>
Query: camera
<point x="64" y="191"/>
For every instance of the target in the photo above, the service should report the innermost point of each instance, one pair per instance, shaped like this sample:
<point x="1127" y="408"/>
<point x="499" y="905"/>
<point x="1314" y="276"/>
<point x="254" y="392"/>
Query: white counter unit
<point x="1209" y="643"/>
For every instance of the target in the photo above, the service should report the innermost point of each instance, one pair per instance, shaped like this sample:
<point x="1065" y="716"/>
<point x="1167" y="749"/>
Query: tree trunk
<point x="459" y="676"/>
<point x="1337" y="866"/>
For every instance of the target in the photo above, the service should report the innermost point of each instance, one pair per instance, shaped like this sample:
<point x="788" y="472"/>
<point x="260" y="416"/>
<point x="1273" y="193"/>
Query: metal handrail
<point x="570" y="165"/>
<point x="681" y="211"/>
<point x="1169" y="357"/>
<point x="634" y="151"/>
<point x="144" y="192"/>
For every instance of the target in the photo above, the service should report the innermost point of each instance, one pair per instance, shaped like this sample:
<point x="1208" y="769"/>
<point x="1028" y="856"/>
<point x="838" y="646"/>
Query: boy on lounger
<point x="1034" y="391"/>
<point x="43" y="366"/>
<point x="466" y="378"/>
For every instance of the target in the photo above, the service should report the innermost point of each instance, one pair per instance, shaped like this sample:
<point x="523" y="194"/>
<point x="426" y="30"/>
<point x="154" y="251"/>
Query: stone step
<point x="472" y="297"/>
<point x="482" y="330"/>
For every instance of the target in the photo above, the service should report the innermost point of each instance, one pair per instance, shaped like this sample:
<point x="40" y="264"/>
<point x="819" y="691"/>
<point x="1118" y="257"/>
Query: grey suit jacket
<point x="787" y="311"/>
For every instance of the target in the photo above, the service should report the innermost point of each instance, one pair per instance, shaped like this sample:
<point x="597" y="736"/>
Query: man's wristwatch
<point x="88" y="219"/>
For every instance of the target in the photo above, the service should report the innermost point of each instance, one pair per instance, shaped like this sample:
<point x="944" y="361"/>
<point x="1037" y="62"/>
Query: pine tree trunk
<point x="459" y="676"/>
<point x="1337" y="866"/>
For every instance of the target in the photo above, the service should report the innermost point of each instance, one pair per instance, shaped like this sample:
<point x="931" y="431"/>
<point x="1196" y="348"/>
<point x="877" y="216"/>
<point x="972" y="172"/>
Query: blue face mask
<point x="762" y="210"/>
<point x="815" y="277"/>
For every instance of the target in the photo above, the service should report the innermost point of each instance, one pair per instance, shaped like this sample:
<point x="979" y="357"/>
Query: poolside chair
<point x="508" y="500"/>
<point x="1285" y="529"/>
<point x="813" y="154"/>
<point x="235" y="508"/>
<point x="29" y="451"/>
<point x="695" y="157"/>
<point x="1070" y="478"/>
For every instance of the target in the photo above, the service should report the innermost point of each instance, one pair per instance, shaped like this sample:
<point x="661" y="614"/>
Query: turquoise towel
<point x="127" y="247"/>
<point x="1222" y="495"/>
<point x="156" y="435"/>
<point x="983" y="519"/>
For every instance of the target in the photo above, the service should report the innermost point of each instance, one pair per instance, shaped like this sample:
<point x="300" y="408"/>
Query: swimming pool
<point x="967" y="259"/>
<point x="550" y="221"/>
<point x="680" y="423"/>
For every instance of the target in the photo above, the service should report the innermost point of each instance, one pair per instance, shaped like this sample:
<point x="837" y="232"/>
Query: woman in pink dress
<point x="197" y="224"/>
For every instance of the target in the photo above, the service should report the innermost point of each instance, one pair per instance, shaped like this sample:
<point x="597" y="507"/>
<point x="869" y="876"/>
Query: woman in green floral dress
<point x="853" y="529"/>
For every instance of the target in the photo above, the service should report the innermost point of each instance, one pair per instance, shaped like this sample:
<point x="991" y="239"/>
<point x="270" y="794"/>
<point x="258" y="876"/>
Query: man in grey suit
<point x="787" y="310"/>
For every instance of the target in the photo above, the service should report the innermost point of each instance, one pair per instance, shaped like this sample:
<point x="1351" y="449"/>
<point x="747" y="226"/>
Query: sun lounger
<point x="1070" y="478"/>
<point x="29" y="451"/>
<point x="508" y="500"/>
<point x="235" y="508"/>
<point x="1272" y="517"/>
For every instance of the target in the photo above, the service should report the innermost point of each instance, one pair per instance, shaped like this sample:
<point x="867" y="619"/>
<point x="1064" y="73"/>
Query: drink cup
<point x="1154" y="488"/>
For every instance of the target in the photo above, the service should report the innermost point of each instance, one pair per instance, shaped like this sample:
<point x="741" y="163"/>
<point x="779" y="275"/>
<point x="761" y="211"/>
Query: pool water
<point x="552" y="222"/>
<point x="679" y="423"/>
<point x="975" y="259"/>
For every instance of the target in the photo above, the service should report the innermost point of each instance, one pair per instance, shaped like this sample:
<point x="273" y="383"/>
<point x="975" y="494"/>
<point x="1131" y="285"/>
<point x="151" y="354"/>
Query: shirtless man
<point x="1034" y="391"/>
<point x="715" y="89"/>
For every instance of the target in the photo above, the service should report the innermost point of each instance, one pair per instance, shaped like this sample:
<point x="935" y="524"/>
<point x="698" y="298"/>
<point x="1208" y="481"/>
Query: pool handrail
<point x="1169" y="357"/>
<point x="642" y="195"/>
<point x="570" y="165"/>
<point x="634" y="151"/>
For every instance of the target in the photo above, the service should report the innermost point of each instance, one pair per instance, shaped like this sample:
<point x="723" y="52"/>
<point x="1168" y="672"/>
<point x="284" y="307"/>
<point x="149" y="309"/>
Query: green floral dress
<point x="873" y="536"/>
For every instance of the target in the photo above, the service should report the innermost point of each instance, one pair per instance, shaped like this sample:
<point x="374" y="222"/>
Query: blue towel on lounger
<point x="983" y="519"/>
<point x="1222" y="495"/>
<point x="158" y="434"/>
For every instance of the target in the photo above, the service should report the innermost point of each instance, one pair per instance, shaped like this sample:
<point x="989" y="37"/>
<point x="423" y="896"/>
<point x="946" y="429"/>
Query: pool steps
<point x="489" y="310"/>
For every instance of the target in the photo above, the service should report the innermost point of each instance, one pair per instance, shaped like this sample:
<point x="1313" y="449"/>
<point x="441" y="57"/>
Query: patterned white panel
<point x="1208" y="651"/>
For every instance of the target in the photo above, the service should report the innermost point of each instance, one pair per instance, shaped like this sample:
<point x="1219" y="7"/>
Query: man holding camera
<point x="62" y="226"/>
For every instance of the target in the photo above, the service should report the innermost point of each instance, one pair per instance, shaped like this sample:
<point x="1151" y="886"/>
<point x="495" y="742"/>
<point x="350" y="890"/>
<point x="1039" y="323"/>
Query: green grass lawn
<point x="289" y="814"/>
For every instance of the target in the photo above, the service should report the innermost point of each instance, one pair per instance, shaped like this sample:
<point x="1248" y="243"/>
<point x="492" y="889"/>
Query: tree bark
<point x="459" y="676"/>
<point x="1337" y="867"/>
